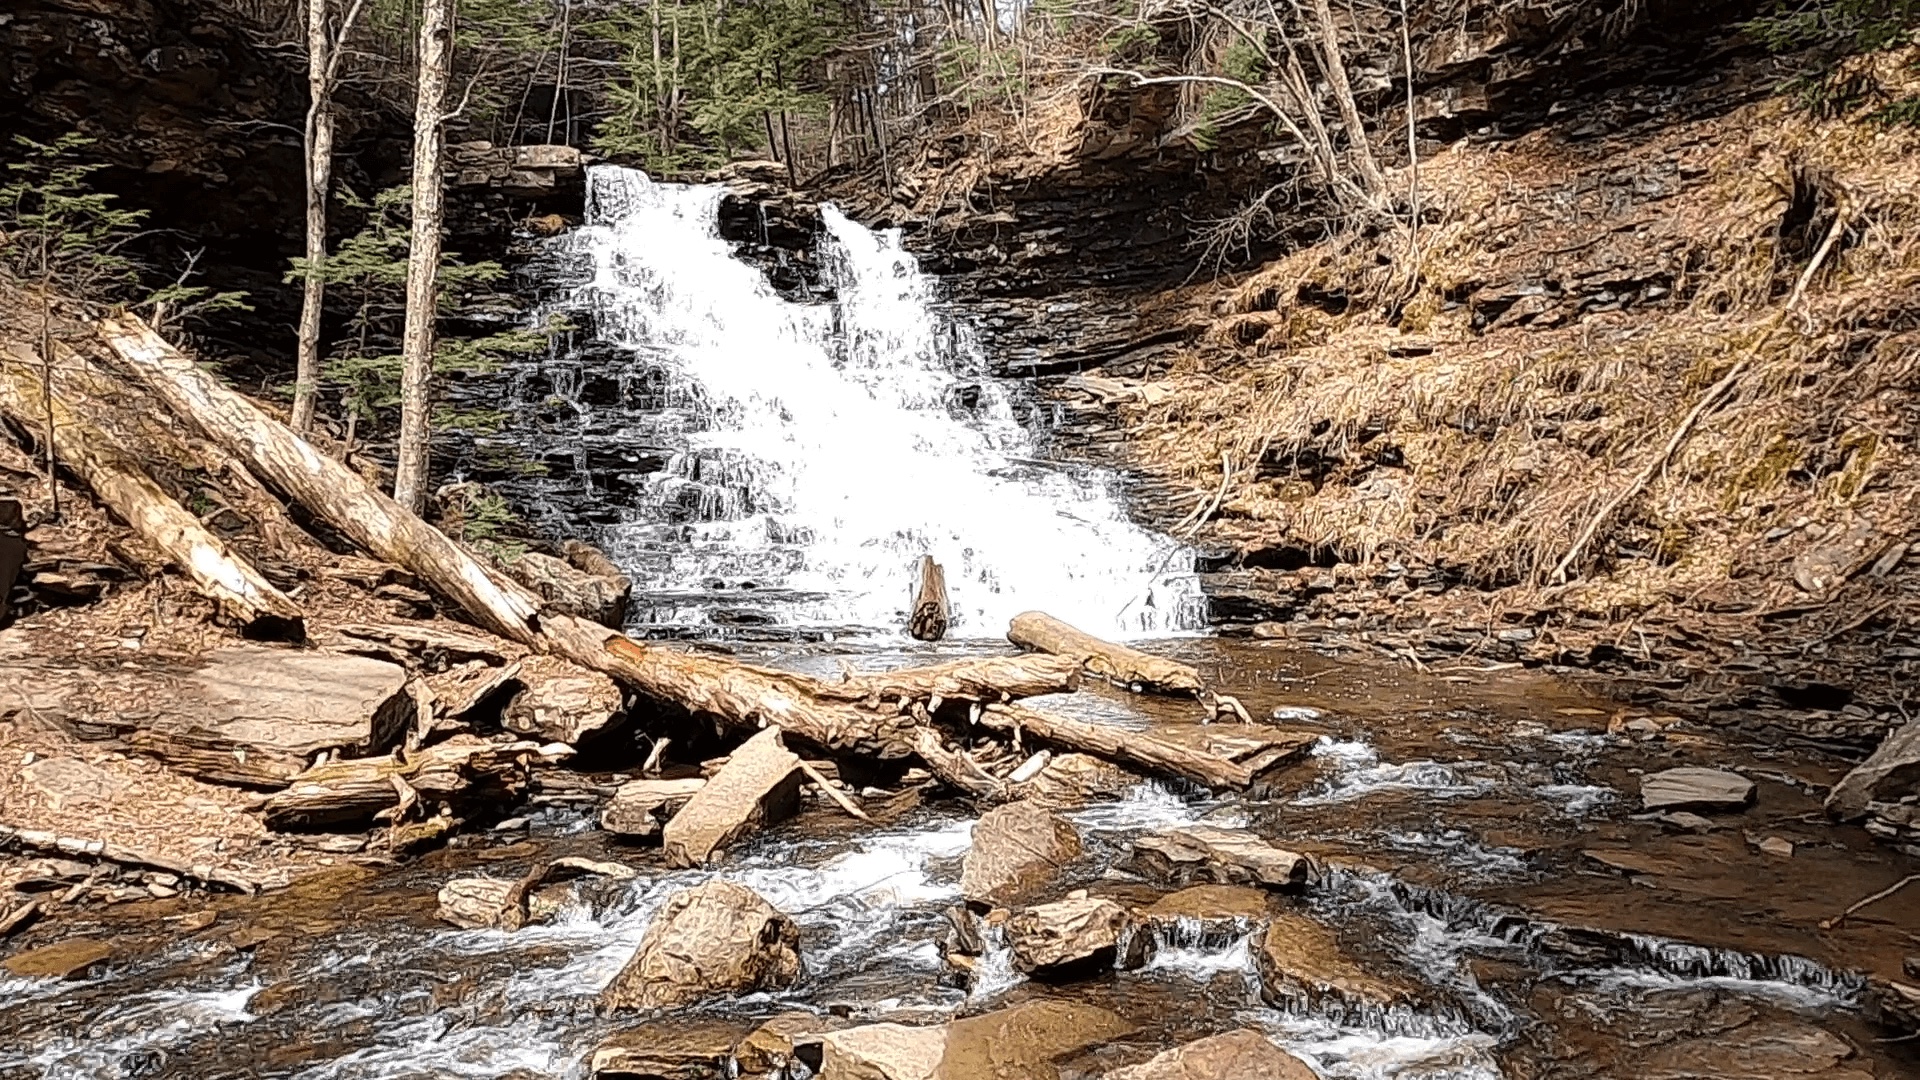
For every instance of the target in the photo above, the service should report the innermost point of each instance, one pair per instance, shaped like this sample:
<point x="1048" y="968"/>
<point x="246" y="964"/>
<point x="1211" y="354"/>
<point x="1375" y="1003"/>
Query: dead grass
<point x="1573" y="302"/>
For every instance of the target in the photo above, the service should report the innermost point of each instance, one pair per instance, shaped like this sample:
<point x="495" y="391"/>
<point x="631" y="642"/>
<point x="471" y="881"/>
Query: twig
<point x="833" y="792"/>
<point x="1829" y="924"/>
<point x="1700" y="407"/>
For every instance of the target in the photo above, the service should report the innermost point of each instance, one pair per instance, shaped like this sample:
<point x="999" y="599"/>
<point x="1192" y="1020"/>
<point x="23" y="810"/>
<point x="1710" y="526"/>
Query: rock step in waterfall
<point x="820" y="450"/>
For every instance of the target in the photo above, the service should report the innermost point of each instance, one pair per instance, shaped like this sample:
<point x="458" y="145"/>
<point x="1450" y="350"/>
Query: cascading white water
<point x="833" y="444"/>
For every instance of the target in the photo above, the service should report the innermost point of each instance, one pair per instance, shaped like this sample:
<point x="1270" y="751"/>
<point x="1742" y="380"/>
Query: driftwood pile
<point x="793" y="729"/>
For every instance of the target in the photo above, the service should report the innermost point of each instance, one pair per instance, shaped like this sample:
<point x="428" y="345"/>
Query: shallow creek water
<point x="1452" y="812"/>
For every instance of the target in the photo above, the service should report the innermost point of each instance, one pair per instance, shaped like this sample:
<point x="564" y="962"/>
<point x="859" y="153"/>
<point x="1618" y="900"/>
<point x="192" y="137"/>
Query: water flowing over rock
<point x="1078" y="932"/>
<point x="1237" y="1055"/>
<point x="810" y="454"/>
<point x="1015" y="847"/>
<point x="717" y="938"/>
<point x="1225" y="856"/>
<point x="1695" y="789"/>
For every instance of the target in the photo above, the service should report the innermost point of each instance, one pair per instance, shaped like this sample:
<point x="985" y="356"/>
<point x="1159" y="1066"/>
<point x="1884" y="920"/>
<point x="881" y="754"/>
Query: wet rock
<point x="569" y="589"/>
<point x="1691" y="788"/>
<point x="1015" y="847"/>
<point x="1628" y="861"/>
<point x="1298" y="959"/>
<point x="483" y="903"/>
<point x="1893" y="1004"/>
<point x="758" y="785"/>
<point x="562" y="702"/>
<point x="74" y="958"/>
<point x="1764" y="1050"/>
<point x="1213" y="902"/>
<point x="770" y="1047"/>
<point x="1891" y="772"/>
<point x="637" y="807"/>
<point x="1077" y="933"/>
<point x="1015" y="1043"/>
<point x="1237" y="1055"/>
<point x="258" y="716"/>
<point x="669" y="1049"/>
<point x="1199" y="853"/>
<point x="1077" y="779"/>
<point x="716" y="938"/>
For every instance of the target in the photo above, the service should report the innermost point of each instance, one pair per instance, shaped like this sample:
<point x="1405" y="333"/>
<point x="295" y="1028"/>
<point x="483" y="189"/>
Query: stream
<point x="802" y="456"/>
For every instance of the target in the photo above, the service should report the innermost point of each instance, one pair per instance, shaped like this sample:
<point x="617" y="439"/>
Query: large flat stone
<point x="670" y="1049"/>
<point x="1891" y="772"/>
<point x="1202" y="853"/>
<point x="759" y="784"/>
<point x="1015" y="848"/>
<point x="559" y="701"/>
<point x="1692" y="788"/>
<point x="257" y="716"/>
<point x="1021" y="1042"/>
<point x="1237" y="1055"/>
<point x="1074" y="933"/>
<point x="74" y="958"/>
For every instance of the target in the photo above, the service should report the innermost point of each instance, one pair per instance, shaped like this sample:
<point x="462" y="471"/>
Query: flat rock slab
<point x="758" y="785"/>
<point x="74" y="958"/>
<point x="1691" y="788"/>
<point x="1237" y="1055"/>
<point x="1017" y="1043"/>
<point x="670" y="1049"/>
<point x="257" y="716"/>
<point x="636" y="809"/>
<point x="1202" y="853"/>
<point x="1891" y="772"/>
<point x="1300" y="959"/>
<point x="1015" y="848"/>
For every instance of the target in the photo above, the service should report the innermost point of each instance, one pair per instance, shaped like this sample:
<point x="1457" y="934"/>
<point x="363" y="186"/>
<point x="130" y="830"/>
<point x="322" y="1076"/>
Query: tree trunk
<point x="411" y="470"/>
<point x="1120" y="746"/>
<point x="103" y="460"/>
<point x="1129" y="667"/>
<point x="1328" y="38"/>
<point x="332" y="491"/>
<point x="931" y="613"/>
<point x="319" y="151"/>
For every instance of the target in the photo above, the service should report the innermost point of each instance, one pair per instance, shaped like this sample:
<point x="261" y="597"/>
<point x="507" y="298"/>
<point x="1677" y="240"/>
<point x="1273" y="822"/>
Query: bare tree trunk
<point x="423" y="260"/>
<point x="319" y="148"/>
<point x="1336" y="71"/>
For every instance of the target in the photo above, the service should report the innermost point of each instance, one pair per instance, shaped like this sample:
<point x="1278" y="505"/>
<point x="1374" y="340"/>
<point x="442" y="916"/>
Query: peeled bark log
<point x="461" y="771"/>
<point x="113" y="471"/>
<point x="931" y="614"/>
<point x="986" y="679"/>
<point x="327" y="487"/>
<point x="1134" y="749"/>
<point x="1129" y="667"/>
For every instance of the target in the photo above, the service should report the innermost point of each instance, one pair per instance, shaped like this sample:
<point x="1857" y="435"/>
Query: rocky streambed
<point x="1457" y="876"/>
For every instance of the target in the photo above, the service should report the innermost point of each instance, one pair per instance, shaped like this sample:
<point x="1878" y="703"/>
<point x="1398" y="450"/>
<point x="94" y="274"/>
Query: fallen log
<point x="38" y="840"/>
<point x="957" y="770"/>
<point x="112" y="469"/>
<point x="986" y="680"/>
<point x="463" y="771"/>
<point x="327" y="487"/>
<point x="1041" y="632"/>
<point x="931" y="614"/>
<point x="1138" y="750"/>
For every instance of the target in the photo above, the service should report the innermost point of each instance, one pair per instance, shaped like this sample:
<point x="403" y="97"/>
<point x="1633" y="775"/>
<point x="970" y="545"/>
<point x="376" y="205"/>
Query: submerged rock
<point x="1197" y="853"/>
<point x="716" y="938"/>
<point x="1237" y="1055"/>
<point x="1891" y="772"/>
<point x="670" y="1049"/>
<point x="1015" y="847"/>
<point x="1078" y="932"/>
<point x="1763" y="1050"/>
<point x="758" y="785"/>
<point x="1298" y="959"/>
<point x="1691" y="788"/>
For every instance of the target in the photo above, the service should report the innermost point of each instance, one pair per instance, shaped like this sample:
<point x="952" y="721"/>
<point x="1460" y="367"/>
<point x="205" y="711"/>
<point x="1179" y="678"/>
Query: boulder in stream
<point x="1237" y="1055"/>
<point x="1015" y="847"/>
<point x="559" y="701"/>
<point x="758" y="785"/>
<point x="1077" y="933"/>
<point x="670" y="1048"/>
<point x="1693" y="788"/>
<point x="1299" y="959"/>
<point x="1077" y="779"/>
<point x="1201" y="853"/>
<point x="716" y="938"/>
<point x="1890" y="773"/>
<point x="1015" y="1043"/>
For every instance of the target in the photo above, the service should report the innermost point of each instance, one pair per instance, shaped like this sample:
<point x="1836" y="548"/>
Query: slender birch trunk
<point x="423" y="259"/>
<point x="319" y="148"/>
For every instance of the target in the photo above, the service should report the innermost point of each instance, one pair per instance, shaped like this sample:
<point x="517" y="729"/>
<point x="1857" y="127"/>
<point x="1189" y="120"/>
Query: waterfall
<point x="824" y="447"/>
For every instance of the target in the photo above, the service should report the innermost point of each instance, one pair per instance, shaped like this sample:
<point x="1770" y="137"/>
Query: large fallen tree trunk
<point x="105" y="462"/>
<point x="986" y="679"/>
<point x="327" y="487"/>
<point x="1120" y="746"/>
<point x="1041" y="632"/>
